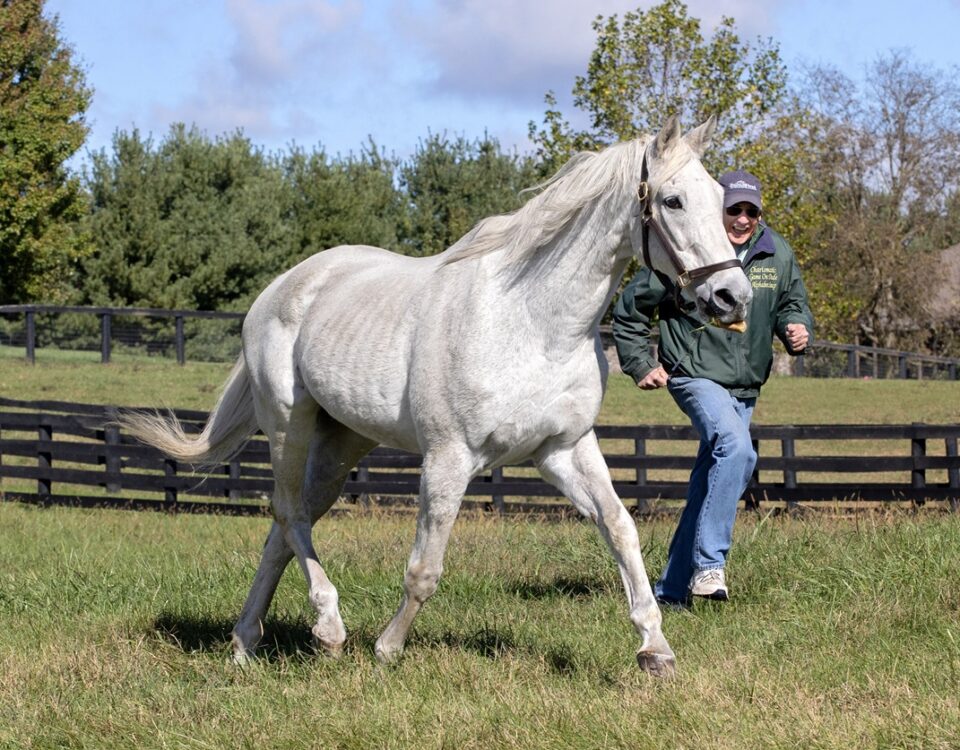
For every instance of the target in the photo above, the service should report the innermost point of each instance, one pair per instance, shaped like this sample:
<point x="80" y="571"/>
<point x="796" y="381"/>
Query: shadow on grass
<point x="286" y="639"/>
<point x="581" y="587"/>
<point x="281" y="638"/>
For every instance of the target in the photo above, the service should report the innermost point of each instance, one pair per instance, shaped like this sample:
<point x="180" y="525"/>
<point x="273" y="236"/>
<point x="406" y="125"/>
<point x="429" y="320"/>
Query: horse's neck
<point x="568" y="285"/>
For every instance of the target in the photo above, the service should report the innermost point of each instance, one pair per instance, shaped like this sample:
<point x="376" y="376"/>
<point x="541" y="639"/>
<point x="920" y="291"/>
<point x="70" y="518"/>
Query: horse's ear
<point x="668" y="136"/>
<point x="699" y="138"/>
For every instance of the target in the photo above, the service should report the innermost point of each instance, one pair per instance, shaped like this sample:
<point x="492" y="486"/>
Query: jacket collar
<point x="760" y="244"/>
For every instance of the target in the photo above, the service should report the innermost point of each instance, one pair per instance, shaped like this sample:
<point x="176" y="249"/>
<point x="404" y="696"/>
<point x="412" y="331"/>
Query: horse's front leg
<point x="443" y="481"/>
<point x="580" y="472"/>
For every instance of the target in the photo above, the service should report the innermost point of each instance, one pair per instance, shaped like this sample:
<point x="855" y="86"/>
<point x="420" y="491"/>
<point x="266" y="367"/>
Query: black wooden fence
<point x="149" y="329"/>
<point x="76" y="456"/>
<point x="167" y="332"/>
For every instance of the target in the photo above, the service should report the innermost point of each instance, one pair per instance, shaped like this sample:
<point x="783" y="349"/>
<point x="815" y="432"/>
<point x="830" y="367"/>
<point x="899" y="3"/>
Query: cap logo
<point x="741" y="185"/>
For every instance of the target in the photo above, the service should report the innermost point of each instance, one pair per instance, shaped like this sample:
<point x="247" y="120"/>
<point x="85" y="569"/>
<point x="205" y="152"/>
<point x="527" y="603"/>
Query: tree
<point x="43" y="100"/>
<point x="451" y="185"/>
<point x="344" y="201"/>
<point x="191" y="224"/>
<point x="656" y="63"/>
<point x="887" y="166"/>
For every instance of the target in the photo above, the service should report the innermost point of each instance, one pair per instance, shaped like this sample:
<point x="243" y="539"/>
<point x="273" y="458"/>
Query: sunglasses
<point x="752" y="211"/>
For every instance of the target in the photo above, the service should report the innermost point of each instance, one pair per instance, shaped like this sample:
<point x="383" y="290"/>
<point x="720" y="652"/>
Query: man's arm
<point x="794" y="322"/>
<point x="632" y="320"/>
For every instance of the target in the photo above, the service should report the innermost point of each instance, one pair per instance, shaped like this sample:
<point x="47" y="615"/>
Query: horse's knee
<point x="420" y="582"/>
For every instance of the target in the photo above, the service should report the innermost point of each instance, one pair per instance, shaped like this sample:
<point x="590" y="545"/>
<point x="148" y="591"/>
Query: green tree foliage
<point x="198" y="224"/>
<point x="656" y="63"/>
<point x="43" y="98"/>
<point x="450" y="185"/>
<point x="191" y="224"/>
<point x="885" y="161"/>
<point x="343" y="201"/>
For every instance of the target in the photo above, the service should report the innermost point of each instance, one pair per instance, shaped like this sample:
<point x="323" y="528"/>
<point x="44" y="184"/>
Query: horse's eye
<point x="673" y="201"/>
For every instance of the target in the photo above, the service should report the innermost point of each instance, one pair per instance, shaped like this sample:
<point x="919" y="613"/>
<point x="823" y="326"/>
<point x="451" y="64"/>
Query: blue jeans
<point x="725" y="461"/>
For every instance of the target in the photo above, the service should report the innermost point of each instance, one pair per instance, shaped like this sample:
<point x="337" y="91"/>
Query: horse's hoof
<point x="331" y="650"/>
<point x="330" y="644"/>
<point x="386" y="656"/>
<point x="657" y="665"/>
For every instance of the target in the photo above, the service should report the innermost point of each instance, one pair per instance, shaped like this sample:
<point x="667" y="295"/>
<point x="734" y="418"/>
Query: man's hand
<point x="797" y="336"/>
<point x="656" y="378"/>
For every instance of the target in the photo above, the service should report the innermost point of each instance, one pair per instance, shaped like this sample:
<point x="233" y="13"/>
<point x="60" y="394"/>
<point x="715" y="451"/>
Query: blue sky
<point x="331" y="73"/>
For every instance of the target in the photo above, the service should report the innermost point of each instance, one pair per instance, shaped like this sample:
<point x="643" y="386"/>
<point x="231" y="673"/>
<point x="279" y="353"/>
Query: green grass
<point x="116" y="625"/>
<point x="116" y="628"/>
<point x="148" y="381"/>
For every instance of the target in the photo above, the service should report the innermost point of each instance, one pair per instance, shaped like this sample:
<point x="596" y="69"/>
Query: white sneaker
<point x="709" y="584"/>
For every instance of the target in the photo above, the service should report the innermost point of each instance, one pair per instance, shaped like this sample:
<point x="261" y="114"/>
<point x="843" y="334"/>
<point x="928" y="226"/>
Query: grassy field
<point x="147" y="381"/>
<point x="116" y="630"/>
<point x="116" y="625"/>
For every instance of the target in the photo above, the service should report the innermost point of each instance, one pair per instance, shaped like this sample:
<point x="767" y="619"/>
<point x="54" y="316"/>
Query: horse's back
<point x="341" y="323"/>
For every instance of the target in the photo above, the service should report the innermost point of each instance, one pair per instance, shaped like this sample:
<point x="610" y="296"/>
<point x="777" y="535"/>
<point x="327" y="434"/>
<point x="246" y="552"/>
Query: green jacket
<point x="690" y="346"/>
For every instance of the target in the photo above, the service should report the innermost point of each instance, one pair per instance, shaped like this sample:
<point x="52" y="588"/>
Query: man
<point x="715" y="376"/>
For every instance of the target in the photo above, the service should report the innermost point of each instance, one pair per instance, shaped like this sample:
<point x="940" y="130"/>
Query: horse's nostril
<point x="725" y="298"/>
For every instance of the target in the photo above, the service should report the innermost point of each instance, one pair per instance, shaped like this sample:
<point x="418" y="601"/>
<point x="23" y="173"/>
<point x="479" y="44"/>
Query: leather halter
<point x="684" y="277"/>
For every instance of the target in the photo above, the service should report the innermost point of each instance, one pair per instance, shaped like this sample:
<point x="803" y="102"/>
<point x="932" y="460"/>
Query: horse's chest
<point x="524" y="429"/>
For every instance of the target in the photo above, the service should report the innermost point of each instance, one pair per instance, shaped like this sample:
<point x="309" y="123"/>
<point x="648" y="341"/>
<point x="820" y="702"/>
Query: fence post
<point x="798" y="366"/>
<point x="45" y="459"/>
<point x="105" y="324"/>
<point x="640" y="452"/>
<point x="788" y="451"/>
<point x="169" y="488"/>
<point x="852" y="363"/>
<point x="902" y="366"/>
<point x="111" y="458"/>
<point x="953" y="475"/>
<point x="496" y="477"/>
<point x="181" y="348"/>
<point x="752" y="502"/>
<point x="363" y="476"/>
<point x="31" y="325"/>
<point x="232" y="470"/>
<point x="918" y="450"/>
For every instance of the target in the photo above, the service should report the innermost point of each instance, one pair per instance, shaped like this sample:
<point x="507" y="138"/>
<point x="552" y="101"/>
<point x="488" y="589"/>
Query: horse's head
<point x="678" y="230"/>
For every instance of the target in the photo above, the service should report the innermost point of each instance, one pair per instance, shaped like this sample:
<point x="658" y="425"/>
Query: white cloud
<point x="518" y="49"/>
<point x="277" y="40"/>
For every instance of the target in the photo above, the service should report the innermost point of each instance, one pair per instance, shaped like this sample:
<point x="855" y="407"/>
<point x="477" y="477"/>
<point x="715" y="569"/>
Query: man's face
<point x="740" y="221"/>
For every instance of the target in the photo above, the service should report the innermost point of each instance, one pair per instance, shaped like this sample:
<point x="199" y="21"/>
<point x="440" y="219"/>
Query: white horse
<point x="484" y="355"/>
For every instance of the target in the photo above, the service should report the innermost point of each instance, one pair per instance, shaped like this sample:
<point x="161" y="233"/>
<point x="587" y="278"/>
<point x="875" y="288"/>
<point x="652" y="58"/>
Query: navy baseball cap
<point x="740" y="187"/>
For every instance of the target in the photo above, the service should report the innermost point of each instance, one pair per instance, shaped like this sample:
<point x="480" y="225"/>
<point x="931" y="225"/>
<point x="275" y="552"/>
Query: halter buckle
<point x="643" y="191"/>
<point x="684" y="280"/>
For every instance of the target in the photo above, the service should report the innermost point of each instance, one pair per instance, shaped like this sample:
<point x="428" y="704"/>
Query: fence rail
<point x="150" y="329"/>
<point x="135" y="334"/>
<point x="76" y="455"/>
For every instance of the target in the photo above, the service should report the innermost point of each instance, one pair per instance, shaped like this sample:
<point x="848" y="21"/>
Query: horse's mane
<point x="584" y="178"/>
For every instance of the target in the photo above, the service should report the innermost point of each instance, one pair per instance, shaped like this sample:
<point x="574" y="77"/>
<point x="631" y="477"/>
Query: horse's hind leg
<point x="273" y="561"/>
<point x="443" y="481"/>
<point x="580" y="472"/>
<point x="332" y="453"/>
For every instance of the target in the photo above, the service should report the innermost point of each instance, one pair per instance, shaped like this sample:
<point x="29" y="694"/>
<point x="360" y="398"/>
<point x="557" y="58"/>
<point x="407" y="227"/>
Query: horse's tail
<point x="229" y="425"/>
